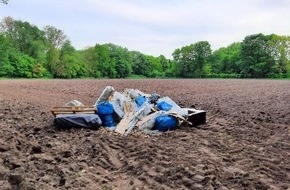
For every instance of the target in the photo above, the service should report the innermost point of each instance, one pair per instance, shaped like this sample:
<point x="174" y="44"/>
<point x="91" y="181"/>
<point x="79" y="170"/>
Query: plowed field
<point x="245" y="143"/>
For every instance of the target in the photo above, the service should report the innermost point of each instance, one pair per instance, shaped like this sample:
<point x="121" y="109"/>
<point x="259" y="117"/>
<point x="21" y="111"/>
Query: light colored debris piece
<point x="124" y="123"/>
<point x="133" y="93"/>
<point x="146" y="119"/>
<point x="107" y="92"/>
<point x="118" y="101"/>
<point x="74" y="103"/>
<point x="175" y="108"/>
<point x="142" y="112"/>
<point x="147" y="123"/>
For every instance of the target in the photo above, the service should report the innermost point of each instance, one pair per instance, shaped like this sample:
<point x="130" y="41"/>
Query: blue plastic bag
<point x="165" y="123"/>
<point x="164" y="106"/>
<point x="105" y="108"/>
<point x="140" y="100"/>
<point x="105" y="111"/>
<point x="108" y="120"/>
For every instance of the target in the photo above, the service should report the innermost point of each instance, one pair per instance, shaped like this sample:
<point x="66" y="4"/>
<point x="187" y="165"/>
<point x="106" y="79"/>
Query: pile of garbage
<point x="130" y="110"/>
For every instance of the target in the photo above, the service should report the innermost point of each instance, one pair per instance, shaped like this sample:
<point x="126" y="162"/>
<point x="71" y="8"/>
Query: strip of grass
<point x="136" y="77"/>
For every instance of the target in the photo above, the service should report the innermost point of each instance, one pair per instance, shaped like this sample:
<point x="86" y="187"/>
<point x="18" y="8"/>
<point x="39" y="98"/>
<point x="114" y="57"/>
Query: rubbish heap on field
<point x="123" y="112"/>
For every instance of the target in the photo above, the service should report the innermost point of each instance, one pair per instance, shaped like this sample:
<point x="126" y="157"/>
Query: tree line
<point x="27" y="51"/>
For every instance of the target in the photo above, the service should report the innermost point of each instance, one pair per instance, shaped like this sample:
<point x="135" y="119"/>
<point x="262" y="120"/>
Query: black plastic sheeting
<point x="67" y="121"/>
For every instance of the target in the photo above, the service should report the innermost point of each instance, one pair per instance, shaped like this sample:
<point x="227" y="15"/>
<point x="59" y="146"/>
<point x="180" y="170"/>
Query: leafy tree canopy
<point x="29" y="51"/>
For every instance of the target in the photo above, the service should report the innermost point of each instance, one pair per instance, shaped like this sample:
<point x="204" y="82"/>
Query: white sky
<point x="154" y="27"/>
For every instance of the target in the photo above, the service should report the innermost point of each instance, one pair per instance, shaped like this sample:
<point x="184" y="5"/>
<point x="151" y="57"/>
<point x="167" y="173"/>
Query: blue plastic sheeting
<point x="105" y="108"/>
<point x="140" y="100"/>
<point x="165" y="123"/>
<point x="108" y="120"/>
<point x="105" y="111"/>
<point x="164" y="106"/>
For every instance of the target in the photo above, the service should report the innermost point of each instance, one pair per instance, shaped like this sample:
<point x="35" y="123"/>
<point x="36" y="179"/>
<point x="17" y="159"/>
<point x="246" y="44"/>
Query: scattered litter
<point x="127" y="111"/>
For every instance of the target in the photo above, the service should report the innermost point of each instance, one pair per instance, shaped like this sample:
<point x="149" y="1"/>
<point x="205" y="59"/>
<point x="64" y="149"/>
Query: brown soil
<point x="244" y="145"/>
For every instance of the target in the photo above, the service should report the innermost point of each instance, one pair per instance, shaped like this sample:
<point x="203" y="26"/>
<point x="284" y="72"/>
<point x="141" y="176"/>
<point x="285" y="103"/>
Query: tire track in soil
<point x="244" y="145"/>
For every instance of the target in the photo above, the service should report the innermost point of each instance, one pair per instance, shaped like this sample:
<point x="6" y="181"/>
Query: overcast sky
<point x="154" y="27"/>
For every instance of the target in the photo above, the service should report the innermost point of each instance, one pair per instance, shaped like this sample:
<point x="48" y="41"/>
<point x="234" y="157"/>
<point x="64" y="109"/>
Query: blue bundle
<point x="105" y="111"/>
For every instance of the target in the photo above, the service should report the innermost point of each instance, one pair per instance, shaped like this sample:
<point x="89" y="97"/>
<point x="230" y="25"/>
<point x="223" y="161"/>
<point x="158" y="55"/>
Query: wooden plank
<point x="176" y="115"/>
<point x="124" y="123"/>
<point x="146" y="119"/>
<point x="73" y="110"/>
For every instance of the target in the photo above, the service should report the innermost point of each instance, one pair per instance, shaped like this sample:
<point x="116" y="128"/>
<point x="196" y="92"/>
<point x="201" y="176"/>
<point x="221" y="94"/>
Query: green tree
<point x="89" y="57"/>
<point x="6" y="69"/>
<point x="155" y="67"/>
<point x="105" y="66"/>
<point x="166" y="66"/>
<point x="121" y="59"/>
<point x="280" y="51"/>
<point x="70" y="64"/>
<point x="52" y="60"/>
<point x="184" y="60"/>
<point x="14" y="63"/>
<point x="172" y="71"/>
<point x="227" y="60"/>
<point x="202" y="55"/>
<point x="140" y="65"/>
<point x="55" y="37"/>
<point x="66" y="63"/>
<point x="22" y="64"/>
<point x="106" y="60"/>
<point x="27" y="38"/>
<point x="257" y="61"/>
<point x="192" y="59"/>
